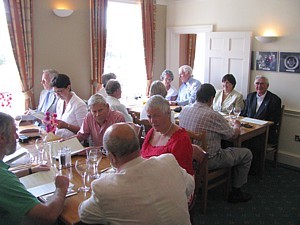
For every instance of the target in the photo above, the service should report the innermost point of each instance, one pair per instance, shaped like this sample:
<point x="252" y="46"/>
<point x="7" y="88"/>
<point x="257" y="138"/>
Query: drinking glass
<point x="237" y="112"/>
<point x="94" y="158"/>
<point x="81" y="166"/>
<point x="40" y="146"/>
<point x="229" y="109"/>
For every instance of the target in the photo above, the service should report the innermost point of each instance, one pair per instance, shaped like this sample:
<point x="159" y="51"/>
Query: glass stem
<point x="83" y="180"/>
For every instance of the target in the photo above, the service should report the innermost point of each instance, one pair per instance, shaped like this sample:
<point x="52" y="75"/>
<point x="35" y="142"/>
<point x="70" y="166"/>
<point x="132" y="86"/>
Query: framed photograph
<point x="266" y="61"/>
<point x="289" y="62"/>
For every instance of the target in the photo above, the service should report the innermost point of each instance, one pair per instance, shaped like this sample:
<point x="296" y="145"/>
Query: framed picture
<point x="266" y="61"/>
<point x="289" y="62"/>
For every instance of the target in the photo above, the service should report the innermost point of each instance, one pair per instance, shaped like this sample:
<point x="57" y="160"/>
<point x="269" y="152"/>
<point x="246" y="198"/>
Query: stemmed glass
<point x="237" y="112"/>
<point x="40" y="146"/>
<point x="94" y="158"/>
<point x="81" y="166"/>
<point x="229" y="110"/>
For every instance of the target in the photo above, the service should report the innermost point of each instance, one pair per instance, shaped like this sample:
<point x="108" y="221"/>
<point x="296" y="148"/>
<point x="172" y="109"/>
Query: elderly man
<point x="105" y="78"/>
<point x="114" y="92"/>
<point x="98" y="119"/>
<point x="141" y="191"/>
<point x="187" y="90"/>
<point x="264" y="105"/>
<point x="15" y="201"/>
<point x="48" y="99"/>
<point x="200" y="116"/>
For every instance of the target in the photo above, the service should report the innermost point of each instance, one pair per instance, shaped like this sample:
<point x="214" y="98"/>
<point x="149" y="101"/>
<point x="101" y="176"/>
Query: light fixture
<point x="63" y="12"/>
<point x="266" y="39"/>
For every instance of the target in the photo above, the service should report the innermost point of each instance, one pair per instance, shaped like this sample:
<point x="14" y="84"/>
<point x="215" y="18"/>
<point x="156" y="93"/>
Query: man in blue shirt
<point x="187" y="90"/>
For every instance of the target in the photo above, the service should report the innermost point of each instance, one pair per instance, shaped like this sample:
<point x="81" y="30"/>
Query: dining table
<point x="69" y="215"/>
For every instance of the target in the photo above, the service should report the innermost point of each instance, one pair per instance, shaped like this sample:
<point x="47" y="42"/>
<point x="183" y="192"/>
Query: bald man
<point x="140" y="190"/>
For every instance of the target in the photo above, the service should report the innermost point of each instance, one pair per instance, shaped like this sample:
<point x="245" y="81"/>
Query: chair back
<point x="278" y="125"/>
<point x="198" y="138"/>
<point x="145" y="126"/>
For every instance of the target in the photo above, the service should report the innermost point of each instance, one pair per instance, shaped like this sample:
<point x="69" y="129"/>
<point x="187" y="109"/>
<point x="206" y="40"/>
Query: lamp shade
<point x="63" y="12"/>
<point x="266" y="39"/>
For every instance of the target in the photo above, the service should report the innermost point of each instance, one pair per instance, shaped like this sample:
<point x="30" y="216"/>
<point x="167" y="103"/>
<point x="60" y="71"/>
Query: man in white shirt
<point x="114" y="93"/>
<point x="141" y="191"/>
<point x="104" y="79"/>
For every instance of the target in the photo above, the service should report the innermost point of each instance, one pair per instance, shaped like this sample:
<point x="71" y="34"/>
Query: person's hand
<point x="62" y="182"/>
<point x="61" y="124"/>
<point x="40" y="168"/>
<point x="236" y="123"/>
<point x="172" y="103"/>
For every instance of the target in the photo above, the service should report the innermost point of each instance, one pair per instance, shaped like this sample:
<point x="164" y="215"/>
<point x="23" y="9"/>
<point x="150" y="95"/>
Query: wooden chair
<point x="145" y="126"/>
<point x="205" y="178"/>
<point x="274" y="147"/>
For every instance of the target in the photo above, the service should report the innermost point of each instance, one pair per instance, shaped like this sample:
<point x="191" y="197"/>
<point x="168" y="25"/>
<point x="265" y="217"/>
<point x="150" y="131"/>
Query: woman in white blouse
<point x="228" y="96"/>
<point x="167" y="77"/>
<point x="70" y="109"/>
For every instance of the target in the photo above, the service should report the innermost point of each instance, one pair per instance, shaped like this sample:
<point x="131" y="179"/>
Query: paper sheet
<point x="255" y="121"/>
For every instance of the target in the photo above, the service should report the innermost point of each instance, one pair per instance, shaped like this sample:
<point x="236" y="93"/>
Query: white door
<point x="228" y="52"/>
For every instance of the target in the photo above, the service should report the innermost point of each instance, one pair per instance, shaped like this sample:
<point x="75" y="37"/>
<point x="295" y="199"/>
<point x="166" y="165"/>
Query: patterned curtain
<point x="191" y="49"/>
<point x="98" y="40"/>
<point x="148" y="15"/>
<point x="19" y="20"/>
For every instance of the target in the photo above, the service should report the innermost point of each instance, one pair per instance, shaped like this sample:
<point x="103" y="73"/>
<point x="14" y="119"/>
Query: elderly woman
<point x="228" y="96"/>
<point x="156" y="88"/>
<point x="70" y="109"/>
<point x="98" y="120"/>
<point x="167" y="77"/>
<point x="165" y="136"/>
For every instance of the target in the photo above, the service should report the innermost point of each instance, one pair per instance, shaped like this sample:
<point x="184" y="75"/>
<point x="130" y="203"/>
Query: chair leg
<point x="275" y="159"/>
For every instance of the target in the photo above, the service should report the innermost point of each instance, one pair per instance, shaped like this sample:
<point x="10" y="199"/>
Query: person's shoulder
<point x="273" y="95"/>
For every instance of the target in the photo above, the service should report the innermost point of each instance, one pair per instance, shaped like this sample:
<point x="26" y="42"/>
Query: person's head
<point x="113" y="88"/>
<point x="61" y="85"/>
<point x="228" y="83"/>
<point x="47" y="76"/>
<point x="106" y="77"/>
<point x="206" y="94"/>
<point x="158" y="112"/>
<point x="122" y="143"/>
<point x="158" y="88"/>
<point x="185" y="73"/>
<point x="261" y="84"/>
<point x="167" y="77"/>
<point x="98" y="108"/>
<point x="8" y="134"/>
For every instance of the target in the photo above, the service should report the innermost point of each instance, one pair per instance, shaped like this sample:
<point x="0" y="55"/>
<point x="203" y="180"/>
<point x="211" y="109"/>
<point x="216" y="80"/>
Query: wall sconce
<point x="63" y="12"/>
<point x="266" y="39"/>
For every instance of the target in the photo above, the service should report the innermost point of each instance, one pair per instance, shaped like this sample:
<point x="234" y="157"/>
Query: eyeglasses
<point x="260" y="83"/>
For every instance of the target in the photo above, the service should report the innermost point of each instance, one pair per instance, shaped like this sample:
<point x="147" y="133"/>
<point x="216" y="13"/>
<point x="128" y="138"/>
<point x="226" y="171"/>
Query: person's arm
<point x="64" y="125"/>
<point x="35" y="169"/>
<point x="50" y="210"/>
<point x="236" y="128"/>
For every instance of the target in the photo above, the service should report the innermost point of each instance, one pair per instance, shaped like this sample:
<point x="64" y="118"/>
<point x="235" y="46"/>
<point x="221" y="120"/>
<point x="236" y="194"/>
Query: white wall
<point x="256" y="16"/>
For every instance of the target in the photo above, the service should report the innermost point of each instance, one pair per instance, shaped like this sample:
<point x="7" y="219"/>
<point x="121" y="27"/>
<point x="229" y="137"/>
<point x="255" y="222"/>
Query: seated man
<point x="97" y="120"/>
<point x="105" y="78"/>
<point x="188" y="88"/>
<point x="200" y="116"/>
<point x="114" y="92"/>
<point x="264" y="105"/>
<point x="141" y="191"/>
<point x="15" y="201"/>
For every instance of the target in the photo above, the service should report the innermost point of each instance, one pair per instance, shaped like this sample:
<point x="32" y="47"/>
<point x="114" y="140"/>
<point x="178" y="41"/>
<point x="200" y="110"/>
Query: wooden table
<point x="69" y="215"/>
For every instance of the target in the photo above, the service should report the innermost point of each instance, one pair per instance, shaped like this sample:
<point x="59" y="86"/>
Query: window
<point x="125" y="49"/>
<point x="11" y="98"/>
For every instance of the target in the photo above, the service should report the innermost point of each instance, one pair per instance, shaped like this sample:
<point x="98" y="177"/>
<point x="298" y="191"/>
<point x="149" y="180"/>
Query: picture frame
<point x="289" y="62"/>
<point x="266" y="61"/>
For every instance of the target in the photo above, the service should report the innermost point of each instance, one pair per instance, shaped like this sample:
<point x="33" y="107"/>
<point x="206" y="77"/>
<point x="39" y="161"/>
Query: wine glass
<point x="94" y="158"/>
<point x="237" y="111"/>
<point x="229" y="109"/>
<point x="40" y="147"/>
<point x="81" y="166"/>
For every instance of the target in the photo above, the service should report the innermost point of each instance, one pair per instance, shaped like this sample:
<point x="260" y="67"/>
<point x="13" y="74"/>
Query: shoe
<point x="239" y="196"/>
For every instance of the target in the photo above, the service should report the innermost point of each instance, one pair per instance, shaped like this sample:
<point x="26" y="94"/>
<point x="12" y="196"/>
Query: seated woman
<point x="167" y="77"/>
<point x="70" y="109"/>
<point x="157" y="88"/>
<point x="228" y="96"/>
<point x="165" y="136"/>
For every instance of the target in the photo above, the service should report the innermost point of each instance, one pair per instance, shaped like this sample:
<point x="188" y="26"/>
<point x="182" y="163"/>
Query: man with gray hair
<point x="140" y="191"/>
<point x="15" y="201"/>
<point x="105" y="78"/>
<point x="114" y="92"/>
<point x="187" y="90"/>
<point x="98" y="119"/>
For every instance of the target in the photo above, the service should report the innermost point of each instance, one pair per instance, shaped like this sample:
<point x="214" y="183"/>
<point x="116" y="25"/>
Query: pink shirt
<point x="91" y="127"/>
<point x="179" y="145"/>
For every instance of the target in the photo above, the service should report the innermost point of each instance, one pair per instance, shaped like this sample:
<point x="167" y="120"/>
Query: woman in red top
<point x="164" y="136"/>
